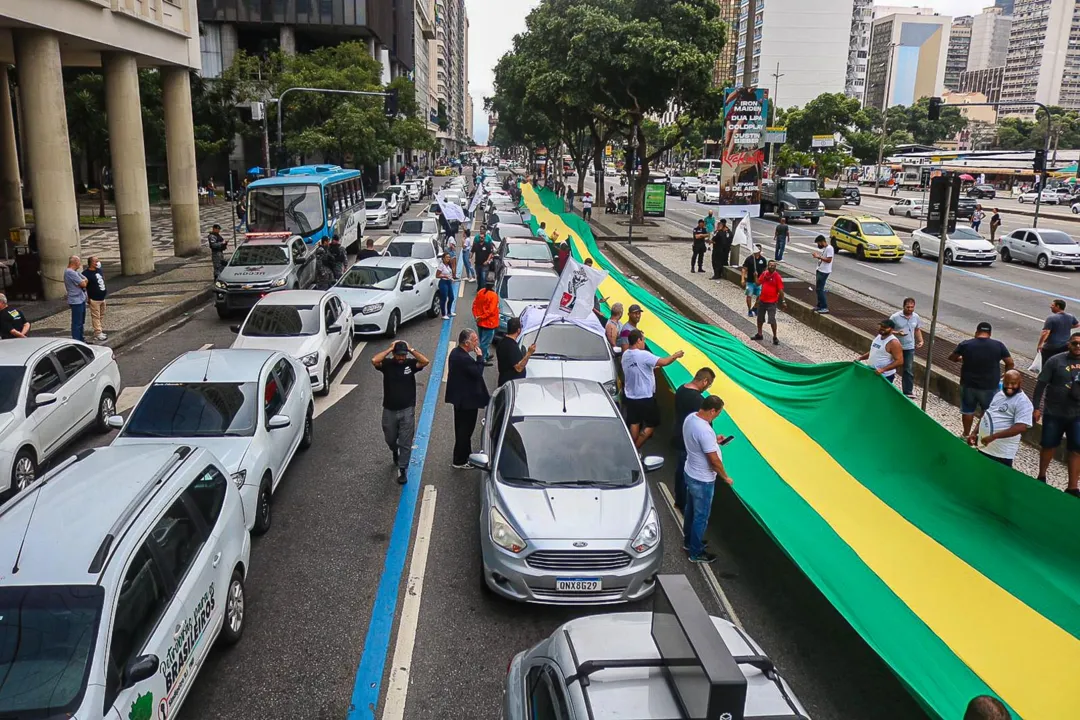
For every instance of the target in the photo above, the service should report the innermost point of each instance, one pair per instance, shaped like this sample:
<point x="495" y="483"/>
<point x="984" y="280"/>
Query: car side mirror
<point x="652" y="463"/>
<point x="333" y="330"/>
<point x="480" y="461"/>
<point x="277" y="422"/>
<point x="141" y="668"/>
<point x="115" y="421"/>
<point x="43" y="399"/>
<point x="299" y="259"/>
<point x="407" y="286"/>
<point x="616" y="350"/>
<point x="235" y="329"/>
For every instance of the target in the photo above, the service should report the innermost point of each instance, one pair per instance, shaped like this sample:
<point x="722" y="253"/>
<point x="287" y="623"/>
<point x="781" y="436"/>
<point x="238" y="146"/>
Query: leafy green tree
<point x="831" y="164"/>
<point x="824" y="115"/>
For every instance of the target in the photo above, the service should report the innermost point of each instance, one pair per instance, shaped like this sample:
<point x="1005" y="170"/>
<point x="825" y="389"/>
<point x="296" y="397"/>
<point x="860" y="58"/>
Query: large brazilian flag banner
<point x="962" y="574"/>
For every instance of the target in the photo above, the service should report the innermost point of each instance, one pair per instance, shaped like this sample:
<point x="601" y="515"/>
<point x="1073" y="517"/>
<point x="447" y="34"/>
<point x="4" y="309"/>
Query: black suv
<point x="852" y="196"/>
<point x="982" y="191"/>
<point x="966" y="207"/>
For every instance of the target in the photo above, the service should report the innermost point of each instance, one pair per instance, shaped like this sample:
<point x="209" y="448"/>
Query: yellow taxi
<point x="443" y="171"/>
<point x="869" y="237"/>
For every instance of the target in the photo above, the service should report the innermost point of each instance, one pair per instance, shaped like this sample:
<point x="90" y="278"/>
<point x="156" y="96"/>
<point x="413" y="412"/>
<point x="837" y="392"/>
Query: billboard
<point x="656" y="199"/>
<point x="741" y="153"/>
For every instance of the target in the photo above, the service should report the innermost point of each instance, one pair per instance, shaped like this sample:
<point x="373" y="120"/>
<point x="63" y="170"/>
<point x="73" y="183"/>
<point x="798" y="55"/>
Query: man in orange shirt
<point x="772" y="294"/>
<point x="485" y="309"/>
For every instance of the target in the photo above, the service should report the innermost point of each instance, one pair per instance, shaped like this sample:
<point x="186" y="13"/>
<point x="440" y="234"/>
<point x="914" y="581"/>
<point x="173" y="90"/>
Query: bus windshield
<point x="296" y="208"/>
<point x="708" y="167"/>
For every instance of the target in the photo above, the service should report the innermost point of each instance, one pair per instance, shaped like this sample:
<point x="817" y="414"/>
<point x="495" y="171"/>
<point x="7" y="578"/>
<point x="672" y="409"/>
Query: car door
<point x="335" y="318"/>
<point x="275" y="396"/>
<point x="49" y="422"/>
<point x="304" y="260"/>
<point x="407" y="292"/>
<point x="78" y="386"/>
<point x="295" y="406"/>
<point x="1030" y="247"/>
<point x="425" y="283"/>
<point x="545" y="693"/>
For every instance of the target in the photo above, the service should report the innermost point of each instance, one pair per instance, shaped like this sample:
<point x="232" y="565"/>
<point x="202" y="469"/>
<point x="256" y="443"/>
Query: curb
<point x="136" y="330"/>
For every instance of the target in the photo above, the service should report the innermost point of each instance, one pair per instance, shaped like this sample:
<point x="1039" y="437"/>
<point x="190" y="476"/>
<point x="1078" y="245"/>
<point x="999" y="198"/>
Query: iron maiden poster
<point x="742" y="153"/>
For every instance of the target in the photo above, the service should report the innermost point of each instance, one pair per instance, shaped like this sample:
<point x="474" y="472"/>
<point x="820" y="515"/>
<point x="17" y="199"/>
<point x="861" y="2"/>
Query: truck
<point x="793" y="197"/>
<point x="867" y="172"/>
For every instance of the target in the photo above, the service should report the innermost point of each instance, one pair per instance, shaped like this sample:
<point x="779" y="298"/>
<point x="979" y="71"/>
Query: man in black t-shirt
<point x="369" y="250"/>
<point x="688" y="399"/>
<point x="399" y="400"/>
<point x="980" y="372"/>
<point x="721" y="249"/>
<point x="752" y="268"/>
<point x="511" y="360"/>
<point x="13" y="323"/>
<point x="482" y="252"/>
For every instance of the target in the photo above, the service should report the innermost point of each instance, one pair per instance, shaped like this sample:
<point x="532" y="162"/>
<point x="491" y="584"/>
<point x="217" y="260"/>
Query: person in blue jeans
<point x="688" y="399"/>
<point x="824" y="256"/>
<point x="446" y="275"/>
<point x="75" y="287"/>
<point x="703" y="465"/>
<point x="780" y="238"/>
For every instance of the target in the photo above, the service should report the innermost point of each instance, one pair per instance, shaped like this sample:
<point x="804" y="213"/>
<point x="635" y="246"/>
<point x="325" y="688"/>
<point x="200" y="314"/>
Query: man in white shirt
<point x="703" y="465"/>
<point x="639" y="387"/>
<point x="1007" y="418"/>
<point x="885" y="354"/>
<point x="824" y="256"/>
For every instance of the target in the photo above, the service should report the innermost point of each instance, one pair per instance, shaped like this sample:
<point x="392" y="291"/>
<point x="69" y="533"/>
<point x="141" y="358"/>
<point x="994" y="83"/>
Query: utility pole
<point x="772" y="106"/>
<point x="884" y="118"/>
<point x="747" y="82"/>
<point x="937" y="285"/>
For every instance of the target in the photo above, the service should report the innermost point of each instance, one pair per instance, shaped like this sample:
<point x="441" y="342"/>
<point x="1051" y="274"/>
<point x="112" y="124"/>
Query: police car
<point x="264" y="263"/>
<point x="111" y="601"/>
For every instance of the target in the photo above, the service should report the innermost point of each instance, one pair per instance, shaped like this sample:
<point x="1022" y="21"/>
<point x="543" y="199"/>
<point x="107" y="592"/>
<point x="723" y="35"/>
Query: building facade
<point x="806" y="42"/>
<point x="862" y="17"/>
<point x="989" y="39"/>
<point x="423" y="47"/>
<point x="725" y="72"/>
<point x="1043" y="60"/>
<point x="41" y="39"/>
<point x="908" y="55"/>
<point x="1006" y="6"/>
<point x="959" y="47"/>
<point x="987" y="81"/>
<point x="451" y="73"/>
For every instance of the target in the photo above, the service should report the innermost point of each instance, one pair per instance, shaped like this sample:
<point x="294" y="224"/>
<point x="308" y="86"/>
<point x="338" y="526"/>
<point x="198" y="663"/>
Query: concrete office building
<point x="908" y="54"/>
<point x="959" y="46"/>
<point x="989" y="39"/>
<point x="987" y="81"/>
<point x="808" y="41"/>
<point x="424" y="62"/>
<point x="451" y="72"/>
<point x="862" y="16"/>
<point x="40" y="39"/>
<point x="1043" y="61"/>
<point x="725" y="72"/>
<point x="881" y="11"/>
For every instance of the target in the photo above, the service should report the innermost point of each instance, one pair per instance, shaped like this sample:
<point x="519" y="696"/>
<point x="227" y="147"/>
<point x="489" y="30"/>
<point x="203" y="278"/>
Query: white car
<point x="313" y="326"/>
<point x="251" y="408"/>
<point x="963" y="245"/>
<point x="708" y="194"/>
<point x="691" y="183"/>
<point x="51" y="390"/>
<point x="1044" y="248"/>
<point x="418" y="247"/>
<point x="403" y="196"/>
<point x="569" y="348"/>
<point x="385" y="292"/>
<point x="397" y="208"/>
<point x="378" y="213"/>
<point x="129" y="564"/>
<point x="1048" y="197"/>
<point x="418" y="226"/>
<point x="908" y="207"/>
<point x="520" y="288"/>
<point x="451" y="196"/>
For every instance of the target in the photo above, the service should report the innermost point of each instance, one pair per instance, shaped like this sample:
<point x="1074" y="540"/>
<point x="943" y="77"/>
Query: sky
<point x="493" y="24"/>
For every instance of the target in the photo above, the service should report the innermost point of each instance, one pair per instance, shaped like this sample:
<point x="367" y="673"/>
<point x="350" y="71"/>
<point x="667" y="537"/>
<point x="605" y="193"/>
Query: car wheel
<point x="948" y="256"/>
<point x="1006" y="256"/>
<point x="263" y="515"/>
<point x="233" y="627"/>
<point x="23" y="471"/>
<point x="1020" y="200"/>
<point x="835" y="247"/>
<point x="1075" y="209"/>
<point x="891" y="211"/>
<point x="1043" y="262"/>
<point x="860" y="252"/>
<point x="326" y="379"/>
<point x="909" y="213"/>
<point x="309" y="429"/>
<point x="222" y="312"/>
<point x="106" y="409"/>
<point x="392" y="324"/>
<point x="814" y="220"/>
<point x="433" y="311"/>
<point x="916" y="249"/>
<point x="349" y="347"/>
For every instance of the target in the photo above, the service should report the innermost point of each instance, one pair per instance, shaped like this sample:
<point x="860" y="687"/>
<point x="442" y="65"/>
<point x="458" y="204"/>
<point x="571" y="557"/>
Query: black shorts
<point x="643" y="412"/>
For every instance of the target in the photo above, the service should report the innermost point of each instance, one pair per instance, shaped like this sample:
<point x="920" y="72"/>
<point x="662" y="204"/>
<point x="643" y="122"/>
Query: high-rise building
<point x="807" y="40"/>
<point x="986" y="81"/>
<point x="959" y="46"/>
<point x="724" y="73"/>
<point x="989" y="39"/>
<point x="1043" y="63"/>
<point x="1006" y="6"/>
<point x="881" y="11"/>
<point x="423" y="51"/>
<point x="908" y="54"/>
<point x="862" y="16"/>
<point x="451" y="72"/>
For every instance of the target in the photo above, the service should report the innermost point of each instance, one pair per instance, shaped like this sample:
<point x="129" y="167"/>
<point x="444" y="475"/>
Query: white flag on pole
<point x="574" y="293"/>
<point x="476" y="198"/>
<point x="450" y="210"/>
<point x="744" y="236"/>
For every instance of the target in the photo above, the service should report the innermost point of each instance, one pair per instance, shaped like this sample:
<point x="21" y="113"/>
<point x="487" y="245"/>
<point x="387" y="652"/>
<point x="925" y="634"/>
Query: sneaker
<point x="101" y="337"/>
<point x="453" y="314"/>
<point x="775" y="341"/>
<point x="823" y="311"/>
<point x="401" y="478"/>
<point x="1041" y="479"/>
<point x="910" y="396"/>
<point x="445" y="317"/>
<point x="1073" y="491"/>
<point x="759" y="336"/>
<point x="750" y="313"/>
<point x="686" y="548"/>
<point x="488" y="363"/>
<point x="704" y="558"/>
<point x="465" y="466"/>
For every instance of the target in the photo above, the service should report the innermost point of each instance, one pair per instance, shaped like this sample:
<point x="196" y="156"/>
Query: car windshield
<point x="528" y="287"/>
<point x="569" y="342"/>
<point x="801" y="186"/>
<point x="296" y="208"/>
<point x="11" y="377"/>
<point x="282" y="321"/>
<point x="433" y="208"/>
<point x="533" y="452"/>
<point x="260" y="255"/>
<point x="528" y="251"/>
<point x="194" y="410"/>
<point x="387" y="196"/>
<point x="417" y="250"/>
<point x="1055" y="237"/>
<point x="418" y="227"/>
<point x="370" y="278"/>
<point x="877" y="229"/>
<point x="47" y="638"/>
<point x="374" y="204"/>
<point x="963" y="233"/>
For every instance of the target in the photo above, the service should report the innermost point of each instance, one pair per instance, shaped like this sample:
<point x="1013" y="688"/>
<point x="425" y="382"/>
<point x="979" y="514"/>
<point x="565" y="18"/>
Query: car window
<point x="408" y="278"/>
<point x="281" y="321"/>
<point x="194" y="410"/>
<point x="285" y="374"/>
<point x="1017" y="235"/>
<point x="533" y="451"/>
<point x="141" y="602"/>
<point x="176" y="541"/>
<point x="877" y="229"/>
<point x="11" y="377"/>
<point x="1056" y="237"/>
<point x="567" y="342"/>
<point x="498" y="413"/>
<point x="45" y="378"/>
<point x="71" y="360"/>
<point x="207" y="494"/>
<point x="546" y="699"/>
<point x="329" y="316"/>
<point x="260" y="255"/>
<point x="298" y="249"/>
<point x="273" y="397"/>
<point x="528" y="287"/>
<point x="1032" y="239"/>
<point x="370" y="277"/>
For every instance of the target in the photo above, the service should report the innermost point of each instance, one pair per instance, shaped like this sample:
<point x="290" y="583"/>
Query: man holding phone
<point x="703" y="465"/>
<point x="688" y="399"/>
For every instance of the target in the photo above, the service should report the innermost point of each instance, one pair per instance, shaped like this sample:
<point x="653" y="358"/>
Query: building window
<point x="210" y="50"/>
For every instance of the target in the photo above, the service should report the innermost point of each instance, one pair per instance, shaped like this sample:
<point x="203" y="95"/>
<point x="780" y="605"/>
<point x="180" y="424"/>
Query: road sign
<point x="776" y="135"/>
<point x="938" y="188"/>
<point x="822" y="141"/>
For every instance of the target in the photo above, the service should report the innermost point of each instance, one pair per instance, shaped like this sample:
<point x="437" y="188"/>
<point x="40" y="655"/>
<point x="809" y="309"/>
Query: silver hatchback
<point x="566" y="514"/>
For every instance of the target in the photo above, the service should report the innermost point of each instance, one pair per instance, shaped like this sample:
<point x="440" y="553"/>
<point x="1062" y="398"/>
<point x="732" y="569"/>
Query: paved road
<point x="312" y="592"/>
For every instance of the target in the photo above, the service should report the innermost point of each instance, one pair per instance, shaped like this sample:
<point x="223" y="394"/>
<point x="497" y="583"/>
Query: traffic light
<point x="1040" y="160"/>
<point x="935" y="108"/>
<point x="390" y="102"/>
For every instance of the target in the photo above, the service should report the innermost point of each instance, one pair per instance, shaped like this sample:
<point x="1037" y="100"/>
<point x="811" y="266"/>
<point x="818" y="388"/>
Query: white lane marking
<point x="446" y="365"/>
<point x="338" y="388"/>
<point x="461" y="289"/>
<point x="877" y="269"/>
<point x="129" y="396"/>
<point x="707" y="571"/>
<point x="207" y="346"/>
<point x="1014" y="312"/>
<point x="397" y="689"/>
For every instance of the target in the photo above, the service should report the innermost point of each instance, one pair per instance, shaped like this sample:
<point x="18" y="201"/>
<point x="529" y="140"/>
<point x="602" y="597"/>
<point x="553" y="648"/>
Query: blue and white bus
<point x="312" y="201"/>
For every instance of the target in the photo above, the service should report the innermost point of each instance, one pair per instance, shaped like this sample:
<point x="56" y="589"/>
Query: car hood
<point x="885" y="240"/>
<point x="359" y="297"/>
<point x="575" y="513"/>
<point x="298" y="347"/>
<point x="229" y="450"/>
<point x="979" y="245"/>
<point x="252" y="273"/>
<point x="1065" y="249"/>
<point x="599" y="370"/>
<point x="518" y="306"/>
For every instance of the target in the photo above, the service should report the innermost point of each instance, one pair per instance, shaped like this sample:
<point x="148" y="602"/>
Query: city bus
<point x="708" y="167"/>
<point x="312" y="201"/>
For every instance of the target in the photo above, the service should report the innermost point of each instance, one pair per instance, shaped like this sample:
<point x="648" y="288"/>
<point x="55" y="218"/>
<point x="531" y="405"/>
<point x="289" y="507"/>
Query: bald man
<point x="1008" y="417"/>
<point x="75" y="287"/>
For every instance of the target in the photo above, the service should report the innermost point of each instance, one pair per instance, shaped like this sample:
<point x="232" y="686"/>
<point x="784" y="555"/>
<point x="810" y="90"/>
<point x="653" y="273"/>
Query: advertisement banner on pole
<point x="655" y="199"/>
<point x="742" y="156"/>
<point x="823" y="141"/>
<point x="775" y="135"/>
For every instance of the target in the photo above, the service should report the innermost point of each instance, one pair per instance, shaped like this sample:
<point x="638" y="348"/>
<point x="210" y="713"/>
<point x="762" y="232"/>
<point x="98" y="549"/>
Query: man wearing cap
<point x="485" y="310"/>
<point x="399" y="400"/>
<point x="639" y="387"/>
<point x="1059" y="381"/>
<point x="752" y="268"/>
<point x="885" y="354"/>
<point x="980" y="361"/>
<point x="633" y="318"/>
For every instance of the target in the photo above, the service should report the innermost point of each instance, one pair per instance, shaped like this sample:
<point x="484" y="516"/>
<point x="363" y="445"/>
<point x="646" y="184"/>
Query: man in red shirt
<point x="772" y="294"/>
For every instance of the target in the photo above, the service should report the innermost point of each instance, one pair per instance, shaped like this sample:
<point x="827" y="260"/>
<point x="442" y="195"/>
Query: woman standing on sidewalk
<point x="445" y="274"/>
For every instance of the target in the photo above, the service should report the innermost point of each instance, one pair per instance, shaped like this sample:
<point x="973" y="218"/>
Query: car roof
<point x="548" y="396"/>
<point x="529" y="271"/>
<point x="222" y="366"/>
<point x="268" y="239"/>
<point x="386" y="261"/>
<point x="61" y="537"/>
<point x="293" y="297"/>
<point x="865" y="218"/>
<point x="526" y="240"/>
<point x="18" y="352"/>
<point x="411" y="238"/>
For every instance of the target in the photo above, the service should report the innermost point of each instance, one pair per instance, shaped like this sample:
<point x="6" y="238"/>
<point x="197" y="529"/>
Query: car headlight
<point x="787" y="205"/>
<point x="310" y="360"/>
<point x="871" y="246"/>
<point x="279" y="282"/>
<point x="820" y="205"/>
<point x="503" y="533"/>
<point x="649" y="534"/>
<point x="239" y="477"/>
<point x="371" y="309"/>
<point x="220" y="285"/>
<point x="612" y="387"/>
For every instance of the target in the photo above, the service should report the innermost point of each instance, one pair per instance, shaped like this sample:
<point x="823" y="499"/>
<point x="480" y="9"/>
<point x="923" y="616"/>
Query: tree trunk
<point x="598" y="170"/>
<point x="641" y="146"/>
